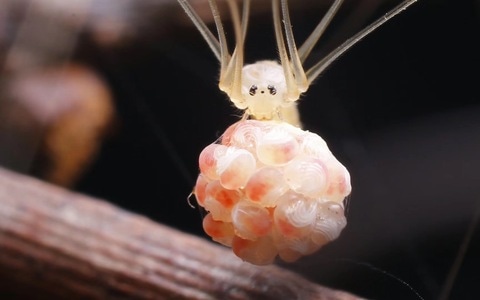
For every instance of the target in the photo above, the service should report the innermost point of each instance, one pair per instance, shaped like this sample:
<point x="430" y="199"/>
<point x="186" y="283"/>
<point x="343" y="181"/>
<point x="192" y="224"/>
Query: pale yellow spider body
<point x="264" y="92"/>
<point x="270" y="188"/>
<point x="287" y="76"/>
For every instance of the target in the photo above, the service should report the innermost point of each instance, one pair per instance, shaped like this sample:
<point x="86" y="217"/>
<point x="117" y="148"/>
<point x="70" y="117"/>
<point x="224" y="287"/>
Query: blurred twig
<point x="54" y="243"/>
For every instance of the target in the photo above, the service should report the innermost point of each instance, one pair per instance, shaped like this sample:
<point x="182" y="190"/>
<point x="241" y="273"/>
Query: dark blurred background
<point x="401" y="110"/>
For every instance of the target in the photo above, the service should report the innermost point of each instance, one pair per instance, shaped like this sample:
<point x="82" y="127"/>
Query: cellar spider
<point x="270" y="188"/>
<point x="267" y="90"/>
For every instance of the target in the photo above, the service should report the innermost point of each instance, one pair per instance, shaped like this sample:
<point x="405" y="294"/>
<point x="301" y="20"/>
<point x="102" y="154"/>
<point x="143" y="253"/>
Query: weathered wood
<point x="60" y="244"/>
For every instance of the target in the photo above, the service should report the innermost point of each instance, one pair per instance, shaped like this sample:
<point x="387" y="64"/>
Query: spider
<point x="268" y="90"/>
<point x="270" y="188"/>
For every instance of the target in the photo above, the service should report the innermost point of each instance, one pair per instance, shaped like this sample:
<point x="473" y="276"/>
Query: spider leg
<point x="224" y="54"/>
<point x="292" y="89"/>
<point x="236" y="67"/>
<point x="301" y="83"/>
<point x="319" y="67"/>
<point x="202" y="27"/>
<point x="310" y="42"/>
<point x="231" y="67"/>
<point x="245" y="16"/>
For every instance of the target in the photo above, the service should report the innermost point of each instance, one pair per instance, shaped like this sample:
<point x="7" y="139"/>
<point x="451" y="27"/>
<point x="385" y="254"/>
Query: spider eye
<point x="253" y="90"/>
<point x="272" y="89"/>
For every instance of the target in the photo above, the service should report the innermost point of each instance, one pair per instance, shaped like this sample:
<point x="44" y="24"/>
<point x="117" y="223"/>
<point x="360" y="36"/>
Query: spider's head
<point x="263" y="89"/>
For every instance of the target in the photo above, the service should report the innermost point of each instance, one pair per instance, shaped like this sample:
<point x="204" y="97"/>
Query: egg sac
<point x="271" y="189"/>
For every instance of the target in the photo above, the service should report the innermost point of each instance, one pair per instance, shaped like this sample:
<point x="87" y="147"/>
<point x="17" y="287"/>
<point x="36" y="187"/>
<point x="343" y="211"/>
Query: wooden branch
<point x="65" y="245"/>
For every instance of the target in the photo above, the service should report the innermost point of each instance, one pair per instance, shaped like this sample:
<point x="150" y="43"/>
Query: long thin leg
<point x="240" y="34"/>
<point x="319" y="67"/>
<point x="204" y="30"/>
<point x="245" y="17"/>
<point x="310" y="42"/>
<point x="239" y="50"/>
<point x="301" y="83"/>
<point x="231" y="74"/>
<point x="292" y="90"/>
<point x="224" y="54"/>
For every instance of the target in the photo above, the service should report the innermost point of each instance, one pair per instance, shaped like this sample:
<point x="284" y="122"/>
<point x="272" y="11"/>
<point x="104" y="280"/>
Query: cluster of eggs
<point x="271" y="189"/>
